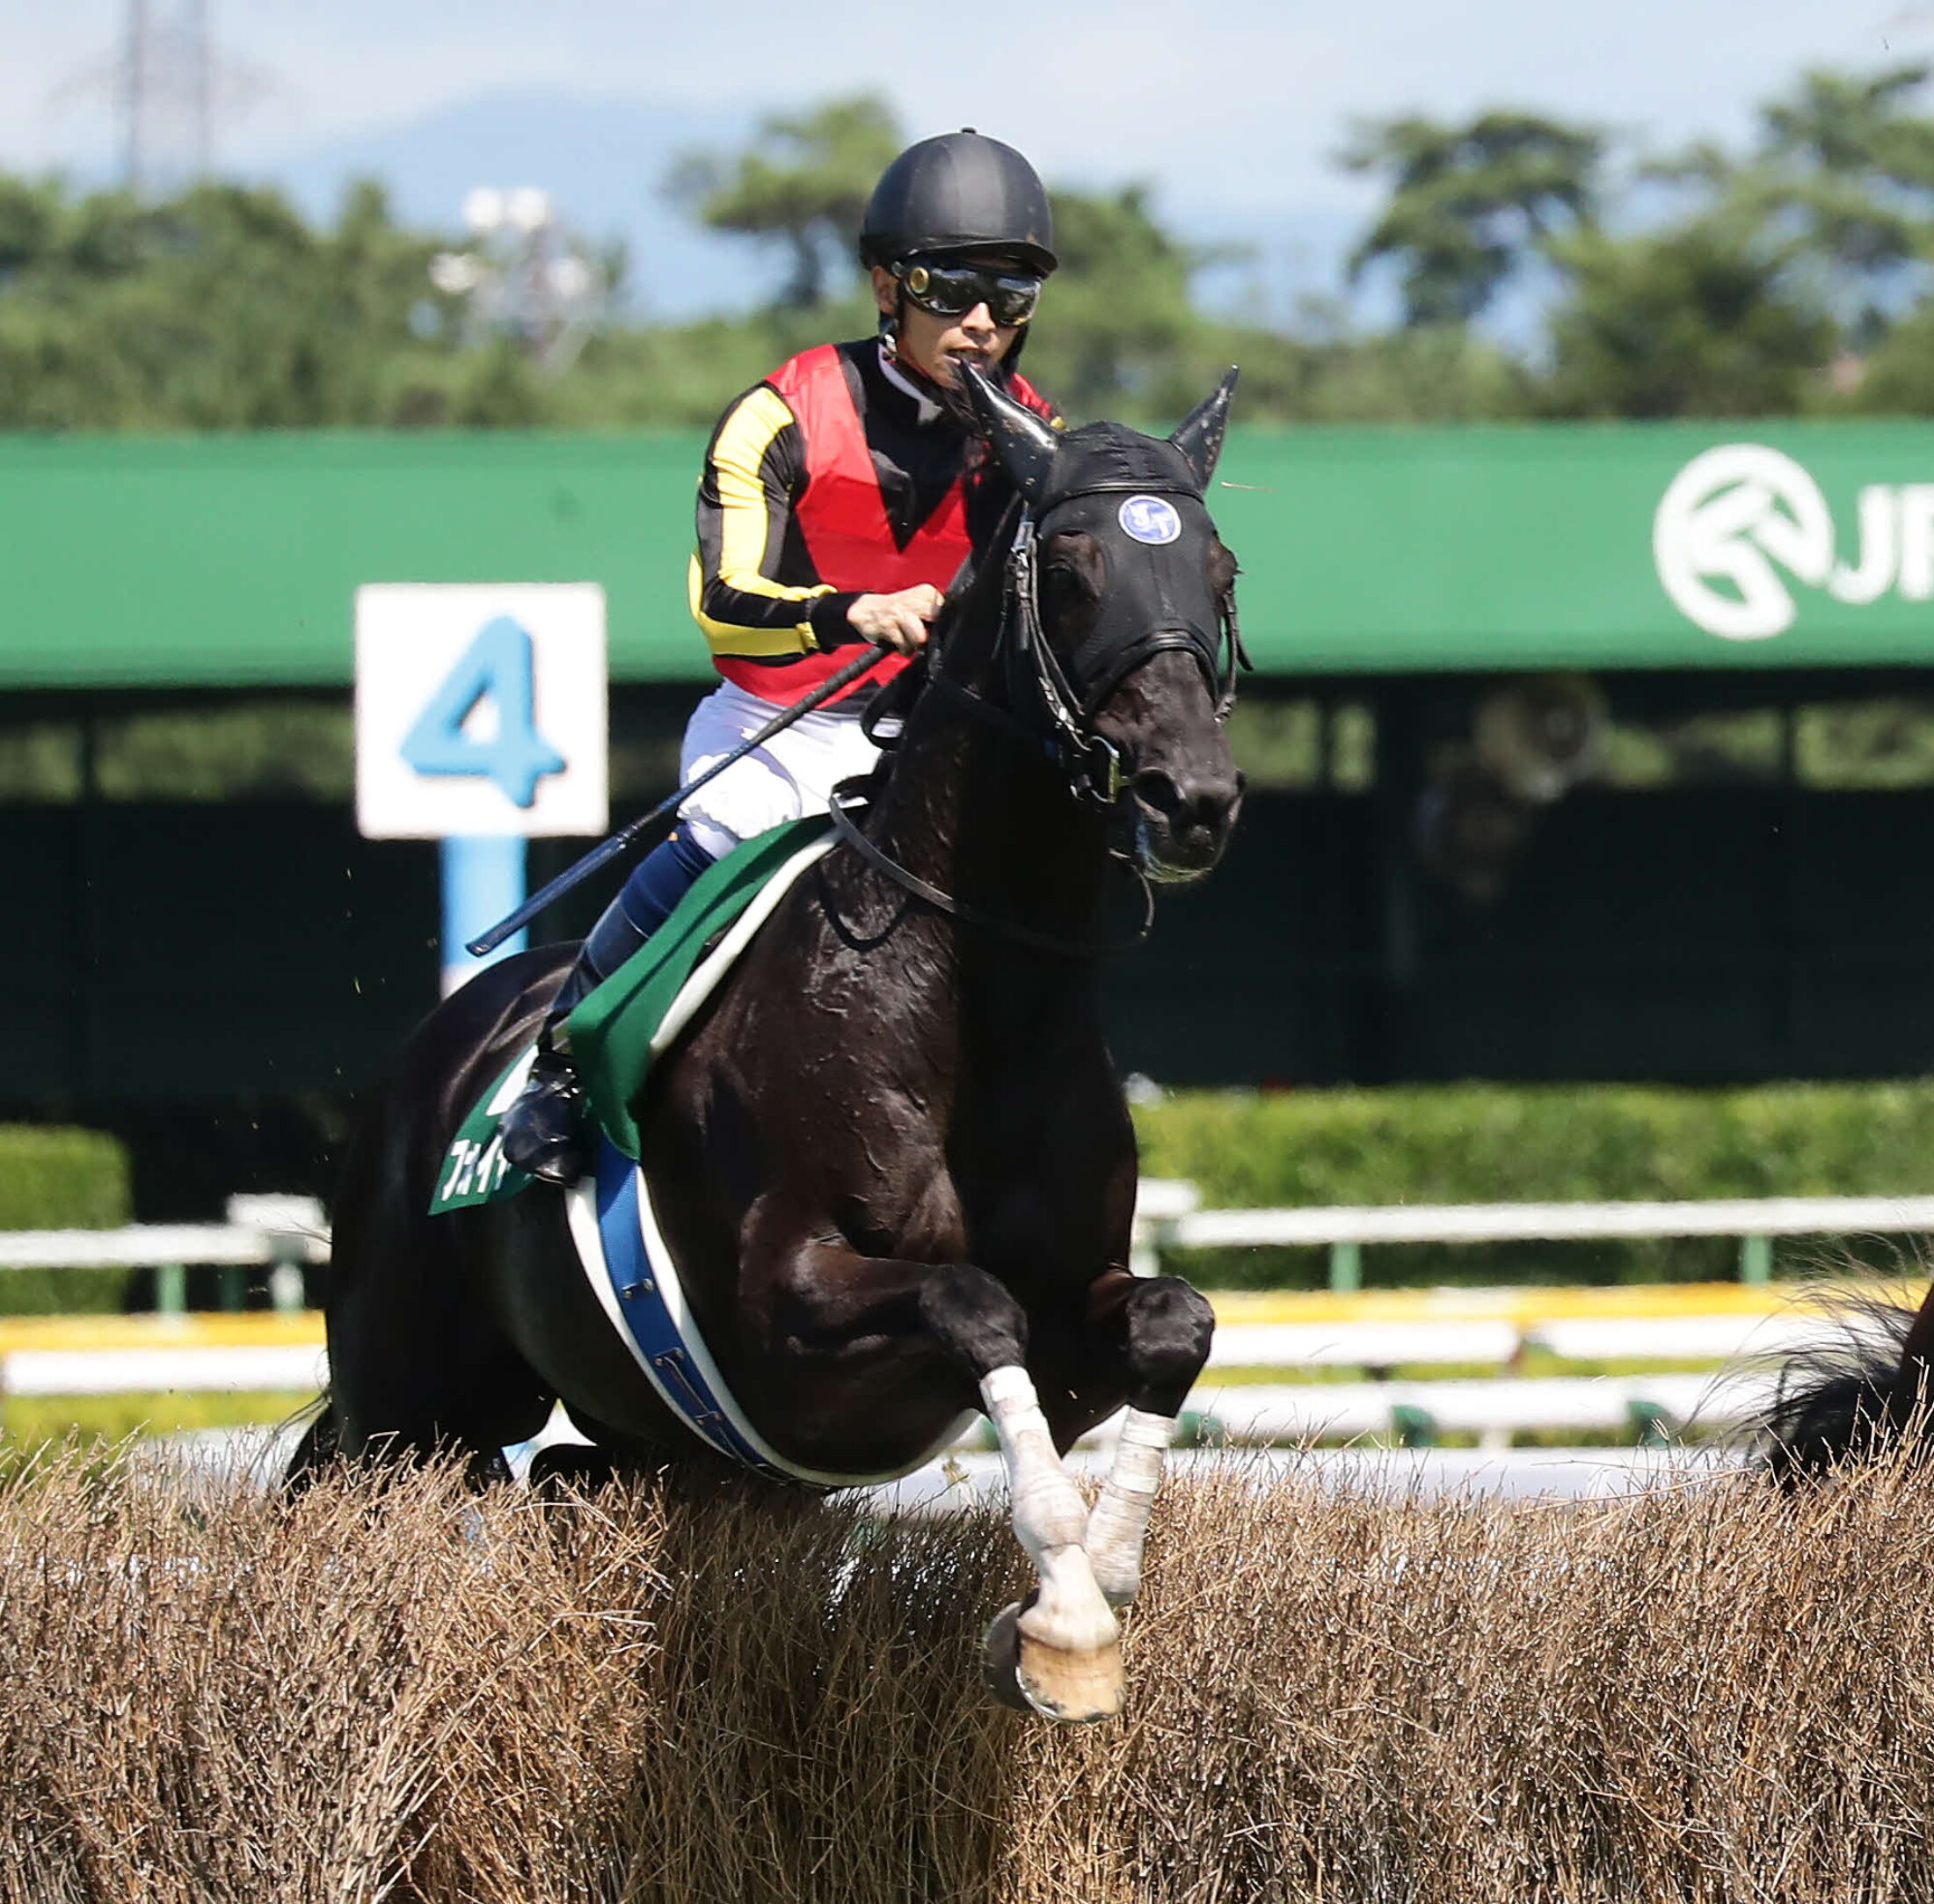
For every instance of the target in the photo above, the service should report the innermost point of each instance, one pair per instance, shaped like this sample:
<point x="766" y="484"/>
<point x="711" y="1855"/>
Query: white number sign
<point x="480" y="709"/>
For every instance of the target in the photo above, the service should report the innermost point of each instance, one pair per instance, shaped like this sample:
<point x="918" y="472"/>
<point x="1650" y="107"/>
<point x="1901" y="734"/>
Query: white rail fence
<point x="284" y="1234"/>
<point x="1168" y="1220"/>
<point x="287" y="1235"/>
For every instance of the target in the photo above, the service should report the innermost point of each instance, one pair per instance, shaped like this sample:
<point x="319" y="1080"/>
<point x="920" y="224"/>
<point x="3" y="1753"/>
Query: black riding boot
<point x="546" y="1133"/>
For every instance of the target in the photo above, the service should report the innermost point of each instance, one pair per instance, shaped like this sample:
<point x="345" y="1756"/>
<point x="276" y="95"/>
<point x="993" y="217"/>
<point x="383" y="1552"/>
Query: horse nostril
<point x="1158" y="792"/>
<point x="1190" y="805"/>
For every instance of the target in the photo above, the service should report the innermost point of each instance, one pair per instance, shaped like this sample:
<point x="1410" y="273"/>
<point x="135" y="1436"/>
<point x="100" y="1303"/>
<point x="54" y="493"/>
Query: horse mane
<point x="982" y="574"/>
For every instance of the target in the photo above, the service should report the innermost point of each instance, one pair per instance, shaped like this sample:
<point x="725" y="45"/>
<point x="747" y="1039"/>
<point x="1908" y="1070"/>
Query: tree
<point x="1116" y="327"/>
<point x="1858" y="170"/>
<point x="1703" y="319"/>
<point x="1467" y="202"/>
<point x="222" y="309"/>
<point x="803" y="185"/>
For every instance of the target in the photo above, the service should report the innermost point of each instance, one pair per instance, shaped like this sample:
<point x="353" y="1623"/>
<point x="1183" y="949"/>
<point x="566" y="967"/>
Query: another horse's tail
<point x="1853" y="1398"/>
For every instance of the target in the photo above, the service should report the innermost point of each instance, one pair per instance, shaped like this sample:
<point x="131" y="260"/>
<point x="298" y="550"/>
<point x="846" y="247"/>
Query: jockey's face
<point x="932" y="345"/>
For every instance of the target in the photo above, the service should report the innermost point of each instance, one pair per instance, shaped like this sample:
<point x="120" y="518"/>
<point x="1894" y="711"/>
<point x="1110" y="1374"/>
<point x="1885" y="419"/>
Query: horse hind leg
<point x="318" y="1449"/>
<point x="420" y="1368"/>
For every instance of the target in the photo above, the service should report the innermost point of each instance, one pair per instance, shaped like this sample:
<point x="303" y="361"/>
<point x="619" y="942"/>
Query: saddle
<point x="621" y="1030"/>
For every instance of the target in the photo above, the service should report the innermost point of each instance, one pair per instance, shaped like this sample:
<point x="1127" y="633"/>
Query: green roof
<point x="234" y="561"/>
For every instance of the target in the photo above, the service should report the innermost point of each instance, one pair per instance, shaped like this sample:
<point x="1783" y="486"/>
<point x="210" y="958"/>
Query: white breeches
<point x="792" y="775"/>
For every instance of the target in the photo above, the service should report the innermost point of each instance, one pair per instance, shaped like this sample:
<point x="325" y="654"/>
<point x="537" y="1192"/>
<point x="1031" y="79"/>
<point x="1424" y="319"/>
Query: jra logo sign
<point x="480" y="709"/>
<point x="1737" y="521"/>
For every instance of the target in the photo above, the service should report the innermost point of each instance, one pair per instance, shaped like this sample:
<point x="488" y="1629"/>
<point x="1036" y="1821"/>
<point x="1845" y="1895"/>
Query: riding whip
<point x="603" y="853"/>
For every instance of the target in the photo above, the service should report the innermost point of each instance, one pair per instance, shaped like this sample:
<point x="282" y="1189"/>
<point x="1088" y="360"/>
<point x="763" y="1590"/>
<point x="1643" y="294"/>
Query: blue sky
<point x="1231" y="107"/>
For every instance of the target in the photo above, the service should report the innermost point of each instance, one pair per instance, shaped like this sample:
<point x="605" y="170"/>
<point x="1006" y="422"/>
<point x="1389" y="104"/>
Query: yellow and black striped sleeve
<point x="753" y="590"/>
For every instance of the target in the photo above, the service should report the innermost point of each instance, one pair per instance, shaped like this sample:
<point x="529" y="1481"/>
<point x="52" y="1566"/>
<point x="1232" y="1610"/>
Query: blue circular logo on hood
<point x="1148" y="518"/>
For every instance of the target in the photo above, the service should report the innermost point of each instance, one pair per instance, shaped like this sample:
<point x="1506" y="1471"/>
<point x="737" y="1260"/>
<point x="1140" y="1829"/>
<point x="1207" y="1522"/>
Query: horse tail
<point x="1855" y="1396"/>
<point x="318" y="1449"/>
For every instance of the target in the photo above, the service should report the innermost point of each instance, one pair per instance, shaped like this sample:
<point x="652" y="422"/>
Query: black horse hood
<point x="1140" y="498"/>
<point x="1154" y="535"/>
<point x="1047" y="466"/>
<point x="1106" y="459"/>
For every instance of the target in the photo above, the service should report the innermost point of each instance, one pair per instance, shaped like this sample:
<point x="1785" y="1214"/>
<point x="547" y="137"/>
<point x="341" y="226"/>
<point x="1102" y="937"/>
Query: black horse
<point x="891" y="1159"/>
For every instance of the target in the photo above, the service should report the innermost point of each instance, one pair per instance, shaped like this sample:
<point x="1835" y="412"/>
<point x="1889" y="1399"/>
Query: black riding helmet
<point x="962" y="191"/>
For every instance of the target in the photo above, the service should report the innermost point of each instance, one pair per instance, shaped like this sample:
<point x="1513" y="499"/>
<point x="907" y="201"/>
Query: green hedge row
<point x="53" y="1178"/>
<point x="1477" y="1144"/>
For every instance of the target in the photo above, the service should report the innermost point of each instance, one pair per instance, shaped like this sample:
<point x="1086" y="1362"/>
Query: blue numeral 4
<point x="497" y="665"/>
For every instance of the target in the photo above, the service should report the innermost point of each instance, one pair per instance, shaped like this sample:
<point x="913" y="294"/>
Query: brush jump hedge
<point x="397" y="1691"/>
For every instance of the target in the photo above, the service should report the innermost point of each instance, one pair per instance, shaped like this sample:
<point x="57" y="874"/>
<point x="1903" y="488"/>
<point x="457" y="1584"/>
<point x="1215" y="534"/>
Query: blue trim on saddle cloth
<point x="635" y="1280"/>
<point x="638" y="1285"/>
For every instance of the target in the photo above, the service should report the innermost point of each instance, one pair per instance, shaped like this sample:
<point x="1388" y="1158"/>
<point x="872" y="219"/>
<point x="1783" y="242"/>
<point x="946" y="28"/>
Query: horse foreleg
<point x="1168" y="1326"/>
<point x="1060" y="1649"/>
<point x="1070" y="1657"/>
<point x="1068" y="1642"/>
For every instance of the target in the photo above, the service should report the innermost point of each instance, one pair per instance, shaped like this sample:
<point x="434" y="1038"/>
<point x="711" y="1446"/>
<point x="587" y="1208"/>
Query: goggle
<point x="953" y="290"/>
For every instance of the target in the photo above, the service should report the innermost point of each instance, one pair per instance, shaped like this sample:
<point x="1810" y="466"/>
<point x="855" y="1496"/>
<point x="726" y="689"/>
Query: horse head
<point x="1123" y="628"/>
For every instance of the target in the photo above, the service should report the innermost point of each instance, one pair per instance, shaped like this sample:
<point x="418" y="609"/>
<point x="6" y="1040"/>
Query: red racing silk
<point x="842" y="519"/>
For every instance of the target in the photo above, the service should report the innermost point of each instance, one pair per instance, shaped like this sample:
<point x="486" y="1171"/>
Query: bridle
<point x="1057" y="716"/>
<point x="1034" y="673"/>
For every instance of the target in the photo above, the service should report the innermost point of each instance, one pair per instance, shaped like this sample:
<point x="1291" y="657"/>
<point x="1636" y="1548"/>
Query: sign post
<point x="481" y="722"/>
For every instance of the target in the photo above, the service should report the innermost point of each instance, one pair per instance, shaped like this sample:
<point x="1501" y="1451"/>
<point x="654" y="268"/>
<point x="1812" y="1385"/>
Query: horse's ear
<point x="1200" y="437"/>
<point x="1026" y="444"/>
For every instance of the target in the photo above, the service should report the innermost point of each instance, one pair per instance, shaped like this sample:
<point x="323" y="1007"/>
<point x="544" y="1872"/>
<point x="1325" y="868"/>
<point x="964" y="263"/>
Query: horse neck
<point x="977" y="812"/>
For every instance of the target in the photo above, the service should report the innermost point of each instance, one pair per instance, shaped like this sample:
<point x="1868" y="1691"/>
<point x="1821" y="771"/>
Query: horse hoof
<point x="1073" y="1689"/>
<point x="1000" y="1660"/>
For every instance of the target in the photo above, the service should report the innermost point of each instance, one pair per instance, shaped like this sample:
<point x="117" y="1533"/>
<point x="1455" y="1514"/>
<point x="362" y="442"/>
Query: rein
<point x="846" y="796"/>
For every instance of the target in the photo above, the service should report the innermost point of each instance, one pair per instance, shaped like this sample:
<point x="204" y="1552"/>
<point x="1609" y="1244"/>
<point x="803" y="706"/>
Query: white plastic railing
<point x="287" y="1233"/>
<point x="1166" y="1222"/>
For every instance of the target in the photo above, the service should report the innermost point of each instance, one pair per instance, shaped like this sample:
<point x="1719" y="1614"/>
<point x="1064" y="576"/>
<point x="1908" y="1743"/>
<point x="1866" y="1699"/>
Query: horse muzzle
<point x="1182" y="820"/>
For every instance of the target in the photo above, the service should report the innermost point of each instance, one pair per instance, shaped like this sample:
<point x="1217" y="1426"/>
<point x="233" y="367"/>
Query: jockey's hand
<point x="900" y="620"/>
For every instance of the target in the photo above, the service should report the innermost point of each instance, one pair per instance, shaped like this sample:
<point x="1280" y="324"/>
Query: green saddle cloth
<point x="612" y="1030"/>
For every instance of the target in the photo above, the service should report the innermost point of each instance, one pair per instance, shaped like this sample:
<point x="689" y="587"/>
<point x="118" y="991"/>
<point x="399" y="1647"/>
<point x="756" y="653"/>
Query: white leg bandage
<point x="1050" y="1519"/>
<point x="1119" y="1524"/>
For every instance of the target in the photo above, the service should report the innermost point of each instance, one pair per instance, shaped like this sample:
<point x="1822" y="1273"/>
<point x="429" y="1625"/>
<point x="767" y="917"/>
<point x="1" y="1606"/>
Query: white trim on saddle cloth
<point x="637" y="1284"/>
<point x="714" y="966"/>
<point x="475" y="1169"/>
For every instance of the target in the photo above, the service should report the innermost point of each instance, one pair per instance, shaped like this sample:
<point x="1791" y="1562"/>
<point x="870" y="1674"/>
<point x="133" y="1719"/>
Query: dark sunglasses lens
<point x="1013" y="299"/>
<point x="953" y="290"/>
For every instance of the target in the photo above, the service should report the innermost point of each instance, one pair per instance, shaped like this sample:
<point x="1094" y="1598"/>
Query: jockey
<point x="840" y="496"/>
